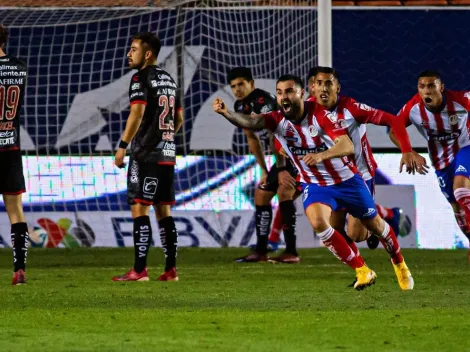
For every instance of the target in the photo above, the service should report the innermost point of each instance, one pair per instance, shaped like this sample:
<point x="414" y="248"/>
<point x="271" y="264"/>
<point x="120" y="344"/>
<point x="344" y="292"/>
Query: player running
<point x="354" y="116"/>
<point x="13" y="75"/>
<point x="323" y="153"/>
<point x="441" y="116"/>
<point x="155" y="117"/>
<point x="251" y="100"/>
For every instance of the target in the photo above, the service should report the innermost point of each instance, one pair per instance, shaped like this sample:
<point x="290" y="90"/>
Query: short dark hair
<point x="149" y="39"/>
<point x="313" y="72"/>
<point x="240" y="72"/>
<point x="329" y="70"/>
<point x="298" y="81"/>
<point x="429" y="73"/>
<point x="3" y="36"/>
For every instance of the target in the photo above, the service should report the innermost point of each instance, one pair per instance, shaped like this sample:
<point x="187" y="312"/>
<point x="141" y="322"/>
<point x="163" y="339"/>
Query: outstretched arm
<point x="251" y="122"/>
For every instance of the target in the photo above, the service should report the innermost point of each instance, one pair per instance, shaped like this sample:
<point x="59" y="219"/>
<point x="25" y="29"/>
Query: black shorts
<point x="11" y="176"/>
<point x="272" y="182"/>
<point x="150" y="183"/>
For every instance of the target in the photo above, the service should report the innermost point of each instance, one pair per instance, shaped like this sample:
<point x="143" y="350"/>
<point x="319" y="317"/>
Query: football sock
<point x="462" y="222"/>
<point x="169" y="239"/>
<point x="337" y="245"/>
<point x="462" y="195"/>
<point x="275" y="234"/>
<point x="264" y="215"/>
<point x="352" y="245"/>
<point x="390" y="243"/>
<point x="19" y="241"/>
<point x="287" y="209"/>
<point x="142" y="240"/>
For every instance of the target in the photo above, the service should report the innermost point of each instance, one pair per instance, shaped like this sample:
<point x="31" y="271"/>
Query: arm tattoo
<point x="255" y="122"/>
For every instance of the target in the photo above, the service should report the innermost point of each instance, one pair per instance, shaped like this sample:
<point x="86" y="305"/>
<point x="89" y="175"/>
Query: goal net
<point x="76" y="103"/>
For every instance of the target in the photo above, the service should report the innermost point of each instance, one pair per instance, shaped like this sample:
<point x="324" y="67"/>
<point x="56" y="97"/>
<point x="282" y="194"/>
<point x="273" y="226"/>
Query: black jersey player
<point x="13" y="74"/>
<point x="155" y="117"/>
<point x="279" y="179"/>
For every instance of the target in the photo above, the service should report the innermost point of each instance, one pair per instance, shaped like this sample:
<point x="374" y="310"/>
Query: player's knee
<point x="374" y="225"/>
<point x="263" y="197"/>
<point x="461" y="182"/>
<point x="319" y="223"/>
<point x="285" y="192"/>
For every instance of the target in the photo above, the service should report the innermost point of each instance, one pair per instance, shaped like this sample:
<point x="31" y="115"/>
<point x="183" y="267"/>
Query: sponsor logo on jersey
<point x="304" y="151"/>
<point x="136" y="94"/>
<point x="155" y="83"/>
<point x="332" y="117"/>
<point x="150" y="185"/>
<point x="135" y="86"/>
<point x="453" y="119"/>
<point x="446" y="136"/>
<point x="312" y="131"/>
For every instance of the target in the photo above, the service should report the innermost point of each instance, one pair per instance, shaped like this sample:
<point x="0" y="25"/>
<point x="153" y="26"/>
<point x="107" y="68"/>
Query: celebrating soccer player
<point x="441" y="116"/>
<point x="251" y="100"/>
<point x="329" y="89"/>
<point x="155" y="117"/>
<point x="13" y="73"/>
<point x="321" y="150"/>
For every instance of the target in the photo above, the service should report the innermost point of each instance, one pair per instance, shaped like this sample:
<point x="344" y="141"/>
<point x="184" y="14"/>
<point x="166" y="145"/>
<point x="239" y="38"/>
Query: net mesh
<point x="76" y="103"/>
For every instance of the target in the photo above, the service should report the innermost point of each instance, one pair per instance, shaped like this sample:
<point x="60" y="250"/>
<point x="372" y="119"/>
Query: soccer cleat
<point x="252" y="258"/>
<point x="405" y="280"/>
<point x="19" y="278"/>
<point x="169" y="275"/>
<point x="285" y="258"/>
<point x="364" y="277"/>
<point x="272" y="246"/>
<point x="133" y="275"/>
<point x="372" y="241"/>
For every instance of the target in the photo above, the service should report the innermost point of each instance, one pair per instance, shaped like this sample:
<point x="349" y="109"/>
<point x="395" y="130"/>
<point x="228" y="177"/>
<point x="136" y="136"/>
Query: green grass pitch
<point x="70" y="304"/>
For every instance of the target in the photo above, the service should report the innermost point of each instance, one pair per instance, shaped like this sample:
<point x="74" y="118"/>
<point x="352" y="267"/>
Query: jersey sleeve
<point x="363" y="113"/>
<point x="272" y="120"/>
<point x="404" y="114"/>
<point x="137" y="90"/>
<point x="463" y="98"/>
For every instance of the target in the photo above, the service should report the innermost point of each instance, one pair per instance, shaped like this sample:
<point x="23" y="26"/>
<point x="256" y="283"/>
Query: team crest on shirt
<point x="332" y="117"/>
<point x="453" y="119"/>
<point x="342" y="123"/>
<point x="312" y="131"/>
<point x="467" y="95"/>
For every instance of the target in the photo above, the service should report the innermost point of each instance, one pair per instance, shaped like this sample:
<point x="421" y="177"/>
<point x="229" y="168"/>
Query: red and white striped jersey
<point x="314" y="134"/>
<point x="353" y="116"/>
<point x="446" y="131"/>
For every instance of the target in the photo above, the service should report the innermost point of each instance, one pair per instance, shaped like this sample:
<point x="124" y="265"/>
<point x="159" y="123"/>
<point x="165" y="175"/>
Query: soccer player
<point x="13" y="75"/>
<point x="325" y="91"/>
<point x="251" y="100"/>
<point x="441" y="116"/>
<point x="323" y="153"/>
<point x="354" y="115"/>
<point x="155" y="117"/>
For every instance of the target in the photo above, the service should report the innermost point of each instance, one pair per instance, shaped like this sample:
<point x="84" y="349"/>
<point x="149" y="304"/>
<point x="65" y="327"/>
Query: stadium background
<point x="76" y="106"/>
